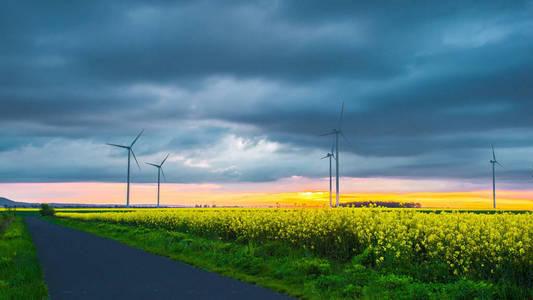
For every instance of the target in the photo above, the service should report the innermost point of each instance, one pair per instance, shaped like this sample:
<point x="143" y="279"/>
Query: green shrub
<point x="367" y="258"/>
<point x="47" y="210"/>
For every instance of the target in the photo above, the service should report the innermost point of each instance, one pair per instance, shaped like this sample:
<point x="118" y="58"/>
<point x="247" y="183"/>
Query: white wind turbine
<point x="330" y="155"/>
<point x="494" y="162"/>
<point x="159" y="171"/>
<point x="337" y="132"/>
<point x="130" y="152"/>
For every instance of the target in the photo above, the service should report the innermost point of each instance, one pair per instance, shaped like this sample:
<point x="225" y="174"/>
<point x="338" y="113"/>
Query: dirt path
<point x="80" y="265"/>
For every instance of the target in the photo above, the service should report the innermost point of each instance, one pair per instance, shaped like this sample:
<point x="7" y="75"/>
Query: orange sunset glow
<point x="220" y="195"/>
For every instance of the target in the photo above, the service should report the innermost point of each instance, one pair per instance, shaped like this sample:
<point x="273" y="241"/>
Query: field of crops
<point x="477" y="246"/>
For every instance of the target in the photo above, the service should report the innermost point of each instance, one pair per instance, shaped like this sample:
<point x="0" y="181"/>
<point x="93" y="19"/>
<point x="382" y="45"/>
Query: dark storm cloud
<point x="427" y="86"/>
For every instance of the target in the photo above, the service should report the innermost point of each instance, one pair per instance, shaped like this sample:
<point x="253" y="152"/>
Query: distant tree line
<point x="22" y="205"/>
<point x="389" y="204"/>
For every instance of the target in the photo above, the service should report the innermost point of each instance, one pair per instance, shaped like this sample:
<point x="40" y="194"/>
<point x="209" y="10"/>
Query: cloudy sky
<point x="238" y="92"/>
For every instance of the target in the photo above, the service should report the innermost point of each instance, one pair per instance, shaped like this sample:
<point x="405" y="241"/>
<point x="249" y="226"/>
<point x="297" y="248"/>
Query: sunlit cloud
<point x="241" y="105"/>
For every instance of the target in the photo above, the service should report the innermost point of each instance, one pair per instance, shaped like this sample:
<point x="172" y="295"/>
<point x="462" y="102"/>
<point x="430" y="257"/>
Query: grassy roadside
<point x="20" y="270"/>
<point x="274" y="265"/>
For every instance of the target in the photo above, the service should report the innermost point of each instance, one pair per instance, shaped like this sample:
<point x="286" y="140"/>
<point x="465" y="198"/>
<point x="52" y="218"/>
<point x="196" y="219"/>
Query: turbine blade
<point x="163" y="173"/>
<point x="346" y="139"/>
<point x="164" y="159"/>
<point x="135" y="140"/>
<point x="329" y="133"/>
<point x="325" y="157"/>
<point x="152" y="164"/>
<point x="493" y="155"/>
<point x="339" y="127"/>
<point x="135" y="158"/>
<point x="115" y="145"/>
<point x="499" y="164"/>
<point x="343" y="136"/>
<point x="332" y="145"/>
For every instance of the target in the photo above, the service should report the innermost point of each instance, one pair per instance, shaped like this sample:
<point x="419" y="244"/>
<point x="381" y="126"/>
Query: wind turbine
<point x="330" y="155"/>
<point x="159" y="171"/>
<point x="494" y="162"/>
<point x="130" y="152"/>
<point x="337" y="132"/>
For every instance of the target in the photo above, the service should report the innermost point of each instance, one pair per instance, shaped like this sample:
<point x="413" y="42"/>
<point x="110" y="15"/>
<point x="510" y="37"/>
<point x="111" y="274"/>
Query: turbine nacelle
<point x="159" y="172"/>
<point x="329" y="155"/>
<point x="130" y="147"/>
<point x="157" y="166"/>
<point x="119" y="146"/>
<point x="130" y="152"/>
<point x="160" y="166"/>
<point x="494" y="162"/>
<point x="336" y="131"/>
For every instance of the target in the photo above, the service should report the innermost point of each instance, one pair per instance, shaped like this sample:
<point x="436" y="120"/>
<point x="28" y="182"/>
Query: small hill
<point x="4" y="201"/>
<point x="11" y="203"/>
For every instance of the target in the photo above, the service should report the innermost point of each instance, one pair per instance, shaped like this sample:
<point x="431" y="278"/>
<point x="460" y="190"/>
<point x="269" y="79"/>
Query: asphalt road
<point x="80" y="265"/>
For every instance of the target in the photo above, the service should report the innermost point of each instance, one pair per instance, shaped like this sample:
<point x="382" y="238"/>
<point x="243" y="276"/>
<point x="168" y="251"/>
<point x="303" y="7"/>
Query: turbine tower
<point x="330" y="155"/>
<point x="337" y="132"/>
<point x="494" y="162"/>
<point x="130" y="152"/>
<point x="159" y="171"/>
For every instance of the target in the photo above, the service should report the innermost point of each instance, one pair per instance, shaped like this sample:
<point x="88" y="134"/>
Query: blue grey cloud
<point x="240" y="90"/>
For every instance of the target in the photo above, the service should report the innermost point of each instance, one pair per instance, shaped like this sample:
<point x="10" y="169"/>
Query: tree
<point x="47" y="210"/>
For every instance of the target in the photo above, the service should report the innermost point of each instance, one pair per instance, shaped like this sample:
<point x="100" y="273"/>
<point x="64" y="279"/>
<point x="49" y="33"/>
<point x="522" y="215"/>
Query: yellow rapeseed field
<point x="487" y="245"/>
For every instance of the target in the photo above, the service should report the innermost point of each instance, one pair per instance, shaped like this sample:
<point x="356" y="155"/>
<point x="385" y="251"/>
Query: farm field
<point x="339" y="253"/>
<point x="20" y="271"/>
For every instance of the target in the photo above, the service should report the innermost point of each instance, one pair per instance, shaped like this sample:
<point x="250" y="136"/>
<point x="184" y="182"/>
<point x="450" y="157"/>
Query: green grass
<point x="27" y="212"/>
<point x="20" y="271"/>
<point x="295" y="272"/>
